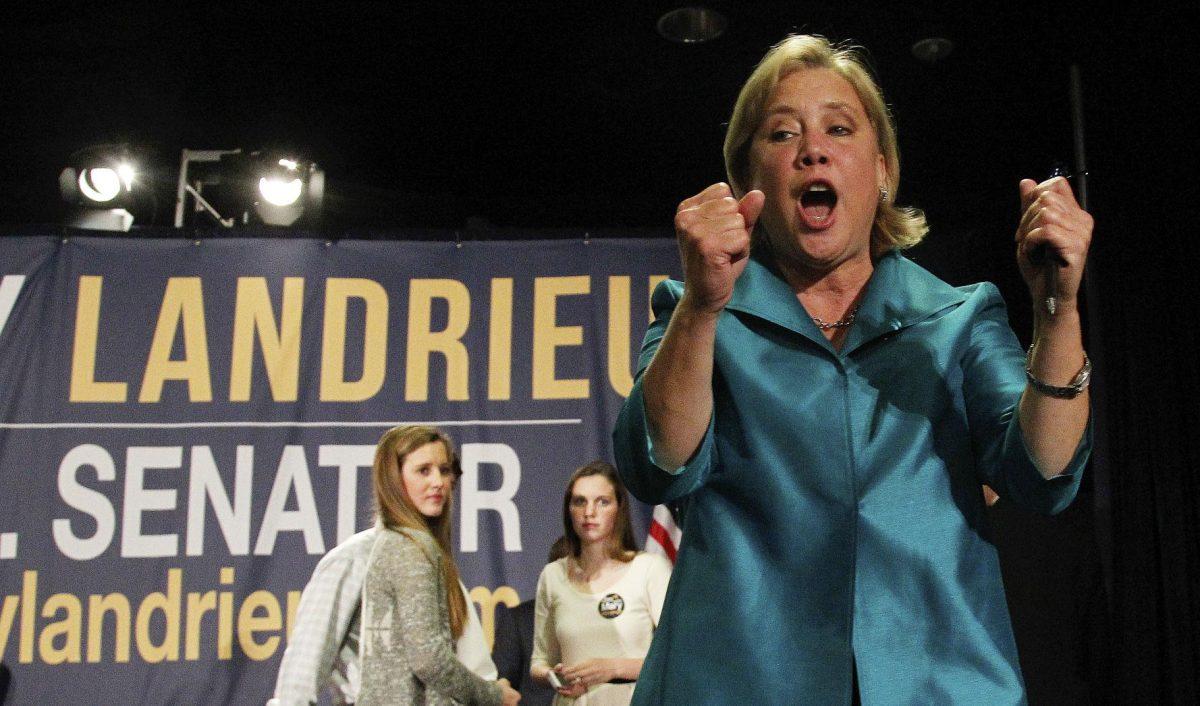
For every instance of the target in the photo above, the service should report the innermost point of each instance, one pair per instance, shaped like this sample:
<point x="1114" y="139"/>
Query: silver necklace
<point x="840" y="323"/>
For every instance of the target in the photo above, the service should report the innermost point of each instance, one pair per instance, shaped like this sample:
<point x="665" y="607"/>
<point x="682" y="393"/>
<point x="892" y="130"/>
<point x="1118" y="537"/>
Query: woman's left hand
<point x="588" y="673"/>
<point x="1053" y="228"/>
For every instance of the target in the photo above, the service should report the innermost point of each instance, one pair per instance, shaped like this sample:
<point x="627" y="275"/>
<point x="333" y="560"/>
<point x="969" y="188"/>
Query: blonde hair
<point x="395" y="510"/>
<point x="895" y="226"/>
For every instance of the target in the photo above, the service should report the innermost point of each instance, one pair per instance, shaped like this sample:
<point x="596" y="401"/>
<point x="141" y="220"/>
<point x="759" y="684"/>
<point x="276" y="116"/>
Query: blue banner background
<point x="216" y="633"/>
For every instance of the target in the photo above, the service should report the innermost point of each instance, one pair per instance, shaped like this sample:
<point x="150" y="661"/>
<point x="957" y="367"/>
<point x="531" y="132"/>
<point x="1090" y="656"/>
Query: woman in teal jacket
<point x="830" y="410"/>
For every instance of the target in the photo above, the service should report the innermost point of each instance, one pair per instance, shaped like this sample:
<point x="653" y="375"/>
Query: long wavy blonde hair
<point x="394" y="509"/>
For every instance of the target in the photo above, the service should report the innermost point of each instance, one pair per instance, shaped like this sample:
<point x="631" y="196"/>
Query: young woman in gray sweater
<point x="413" y="609"/>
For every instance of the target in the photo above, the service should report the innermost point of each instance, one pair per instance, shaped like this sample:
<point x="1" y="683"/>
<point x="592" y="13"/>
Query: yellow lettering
<point x="500" y="340"/>
<point x="334" y="386"/>
<point x="198" y="605"/>
<point x="225" y="616"/>
<point x="423" y="342"/>
<point x="168" y="604"/>
<point x="249" y="623"/>
<point x="183" y="301"/>
<point x="118" y="605"/>
<point x="84" y="386"/>
<point x="487" y="601"/>
<point x="280" y="345"/>
<point x="70" y="628"/>
<point x="29" y="583"/>
<point x="548" y="337"/>
<point x="619" y="374"/>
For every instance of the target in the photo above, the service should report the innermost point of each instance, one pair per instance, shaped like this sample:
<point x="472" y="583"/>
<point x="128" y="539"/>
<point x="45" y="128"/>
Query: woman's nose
<point x="812" y="152"/>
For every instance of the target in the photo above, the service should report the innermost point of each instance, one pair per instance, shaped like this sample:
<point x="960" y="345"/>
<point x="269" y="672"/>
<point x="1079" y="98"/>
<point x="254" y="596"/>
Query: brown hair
<point x="895" y="226"/>
<point x="395" y="510"/>
<point x="623" y="542"/>
<point x="558" y="550"/>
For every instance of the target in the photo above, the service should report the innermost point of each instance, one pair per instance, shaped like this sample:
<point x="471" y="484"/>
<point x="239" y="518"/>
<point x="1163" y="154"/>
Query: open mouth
<point x="817" y="201"/>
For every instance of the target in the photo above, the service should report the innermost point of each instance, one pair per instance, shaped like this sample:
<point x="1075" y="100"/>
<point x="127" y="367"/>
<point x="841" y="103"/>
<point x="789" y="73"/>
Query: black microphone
<point x="1051" y="262"/>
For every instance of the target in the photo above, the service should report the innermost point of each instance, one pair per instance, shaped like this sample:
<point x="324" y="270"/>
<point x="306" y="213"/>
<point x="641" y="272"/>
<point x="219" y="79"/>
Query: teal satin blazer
<point x="834" y="513"/>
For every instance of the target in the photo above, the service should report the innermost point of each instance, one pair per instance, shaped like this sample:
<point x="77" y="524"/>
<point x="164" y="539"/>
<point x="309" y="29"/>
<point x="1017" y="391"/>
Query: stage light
<point x="932" y="49"/>
<point x="282" y="189"/>
<point x="692" y="25"/>
<point x="287" y="188"/>
<point x="98" y="185"/>
<point x="278" y="192"/>
<point x="267" y="187"/>
<point x="103" y="184"/>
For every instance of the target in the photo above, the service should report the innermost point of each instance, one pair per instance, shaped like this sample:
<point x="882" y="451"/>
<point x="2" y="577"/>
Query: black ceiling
<point x="524" y="115"/>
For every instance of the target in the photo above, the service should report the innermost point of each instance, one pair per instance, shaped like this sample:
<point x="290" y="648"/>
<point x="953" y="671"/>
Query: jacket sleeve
<point x="327" y="606"/>
<point x="417" y="593"/>
<point x="632" y="446"/>
<point x="993" y="380"/>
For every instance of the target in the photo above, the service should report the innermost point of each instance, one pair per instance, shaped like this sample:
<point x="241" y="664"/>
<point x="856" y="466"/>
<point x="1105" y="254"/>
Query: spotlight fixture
<point x="287" y="188"/>
<point x="98" y="186"/>
<point x="267" y="187"/>
<point x="691" y="25"/>
<point x="931" y="50"/>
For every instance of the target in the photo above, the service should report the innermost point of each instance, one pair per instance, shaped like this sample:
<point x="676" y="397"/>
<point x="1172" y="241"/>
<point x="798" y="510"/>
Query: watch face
<point x="1085" y="376"/>
<point x="1077" y="385"/>
<point x="611" y="606"/>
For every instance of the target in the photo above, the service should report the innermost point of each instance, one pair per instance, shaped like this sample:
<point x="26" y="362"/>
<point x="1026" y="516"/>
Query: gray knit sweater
<point x="407" y="652"/>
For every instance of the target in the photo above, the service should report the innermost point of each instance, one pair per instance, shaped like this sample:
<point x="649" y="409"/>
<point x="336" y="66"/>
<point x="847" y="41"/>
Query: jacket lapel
<point x="762" y="293"/>
<point x="899" y="294"/>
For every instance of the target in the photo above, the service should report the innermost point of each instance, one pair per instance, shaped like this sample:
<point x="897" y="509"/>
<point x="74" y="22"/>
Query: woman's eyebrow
<point x="834" y="105"/>
<point x="844" y="108"/>
<point x="781" y="109"/>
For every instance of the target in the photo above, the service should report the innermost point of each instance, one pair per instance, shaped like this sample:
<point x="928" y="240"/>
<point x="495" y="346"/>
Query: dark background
<point x="475" y="120"/>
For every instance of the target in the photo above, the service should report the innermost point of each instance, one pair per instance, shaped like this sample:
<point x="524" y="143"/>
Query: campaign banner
<point x="187" y="426"/>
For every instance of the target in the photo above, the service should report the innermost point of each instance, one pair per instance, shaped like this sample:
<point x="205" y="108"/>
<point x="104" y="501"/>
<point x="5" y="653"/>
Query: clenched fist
<point x="1053" y="227"/>
<point x="713" y="229"/>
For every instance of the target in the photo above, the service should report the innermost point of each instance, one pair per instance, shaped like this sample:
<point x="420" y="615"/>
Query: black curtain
<point x="1142" y="149"/>
<point x="1105" y="598"/>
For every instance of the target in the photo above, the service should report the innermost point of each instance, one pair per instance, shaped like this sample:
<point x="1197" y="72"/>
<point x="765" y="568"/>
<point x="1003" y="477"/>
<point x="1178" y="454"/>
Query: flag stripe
<point x="660" y="535"/>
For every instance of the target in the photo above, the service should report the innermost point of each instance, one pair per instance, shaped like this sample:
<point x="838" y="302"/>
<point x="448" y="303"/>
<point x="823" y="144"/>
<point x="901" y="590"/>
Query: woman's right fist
<point x="713" y="230"/>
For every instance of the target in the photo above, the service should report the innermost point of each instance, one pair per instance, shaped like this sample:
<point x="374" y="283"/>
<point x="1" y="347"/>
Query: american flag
<point x="664" y="535"/>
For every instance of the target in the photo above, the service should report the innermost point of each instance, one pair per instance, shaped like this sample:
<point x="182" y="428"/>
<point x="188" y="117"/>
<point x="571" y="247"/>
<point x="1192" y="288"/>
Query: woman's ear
<point x="882" y="180"/>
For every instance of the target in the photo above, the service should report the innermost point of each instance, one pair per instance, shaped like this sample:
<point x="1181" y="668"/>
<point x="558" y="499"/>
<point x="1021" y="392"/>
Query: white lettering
<point x="10" y="287"/>
<point x="500" y="500"/>
<point x="233" y="518"/>
<point x="87" y="501"/>
<point x="292" y="473"/>
<point x="139" y="499"/>
<point x="348" y="460"/>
